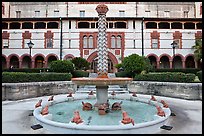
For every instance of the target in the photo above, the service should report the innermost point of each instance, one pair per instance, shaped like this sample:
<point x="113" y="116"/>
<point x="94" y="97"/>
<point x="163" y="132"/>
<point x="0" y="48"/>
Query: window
<point x="82" y="13"/>
<point x="147" y="13"/>
<point x="90" y="41"/>
<point x="83" y="25"/>
<point x="111" y="25"/>
<point x="92" y="25"/>
<point x="200" y="9"/>
<point x="85" y="39"/>
<point x="5" y="43"/>
<point x="27" y="25"/>
<point x="15" y="25"/>
<point x="56" y="13"/>
<point x="69" y="43"/>
<point x="118" y="42"/>
<point x="70" y="24"/>
<point x="49" y="42"/>
<point x="134" y="24"/>
<point x="37" y="13"/>
<point x="185" y="14"/>
<point x="40" y="25"/>
<point x="18" y="14"/>
<point x="120" y="24"/>
<point x="155" y="43"/>
<point x="3" y="9"/>
<point x="113" y="42"/>
<point x="26" y="41"/>
<point x="52" y="25"/>
<point x="164" y="25"/>
<point x="176" y="25"/>
<point x="121" y="13"/>
<point x="4" y="26"/>
<point x="178" y="43"/>
<point x="166" y="13"/>
<point x="151" y="25"/>
<point x="134" y="44"/>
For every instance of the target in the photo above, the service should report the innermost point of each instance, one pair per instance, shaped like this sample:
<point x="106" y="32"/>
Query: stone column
<point x="102" y="67"/>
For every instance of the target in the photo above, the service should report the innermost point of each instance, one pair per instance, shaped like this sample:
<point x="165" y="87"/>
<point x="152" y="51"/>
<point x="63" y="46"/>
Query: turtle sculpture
<point x="86" y="106"/>
<point x="51" y="98"/>
<point x="165" y="105"/>
<point x="76" y="119"/>
<point x="160" y="112"/>
<point x="45" y="110"/>
<point x="116" y="106"/>
<point x="101" y="109"/>
<point x="38" y="104"/>
<point x="126" y="119"/>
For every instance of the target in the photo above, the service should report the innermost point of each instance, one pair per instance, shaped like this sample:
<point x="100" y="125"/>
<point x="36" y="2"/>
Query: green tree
<point x="62" y="66"/>
<point x="80" y="63"/>
<point x="198" y="49"/>
<point x="135" y="64"/>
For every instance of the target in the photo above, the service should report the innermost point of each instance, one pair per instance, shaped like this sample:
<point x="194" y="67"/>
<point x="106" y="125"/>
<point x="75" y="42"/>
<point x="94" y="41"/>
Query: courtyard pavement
<point x="188" y="119"/>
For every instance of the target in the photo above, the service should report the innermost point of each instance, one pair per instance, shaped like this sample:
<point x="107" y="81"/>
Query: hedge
<point x="199" y="74"/>
<point x="28" y="70"/>
<point x="166" y="77"/>
<point x="18" y="77"/>
<point x="80" y="73"/>
<point x="183" y="70"/>
<point x="123" y="74"/>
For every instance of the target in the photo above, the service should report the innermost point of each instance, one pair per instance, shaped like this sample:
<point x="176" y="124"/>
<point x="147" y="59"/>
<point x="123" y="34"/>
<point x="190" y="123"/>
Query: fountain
<point x="86" y="116"/>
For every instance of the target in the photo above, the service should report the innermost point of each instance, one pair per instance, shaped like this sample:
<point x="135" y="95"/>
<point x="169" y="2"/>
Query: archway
<point x="190" y="63"/>
<point x="95" y="62"/>
<point x="39" y="62"/>
<point x="50" y="59"/>
<point x="177" y="62"/>
<point x="26" y="62"/>
<point x="164" y="62"/>
<point x="14" y="62"/>
<point x="153" y="61"/>
<point x="3" y="62"/>
<point x="111" y="62"/>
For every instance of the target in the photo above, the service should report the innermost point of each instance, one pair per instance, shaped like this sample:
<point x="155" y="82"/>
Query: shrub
<point x="18" y="77"/>
<point x="134" y="64"/>
<point x="166" y="77"/>
<point x="80" y="63"/>
<point x="80" y="73"/>
<point x="62" y="66"/>
<point x="199" y="74"/>
<point x="123" y="74"/>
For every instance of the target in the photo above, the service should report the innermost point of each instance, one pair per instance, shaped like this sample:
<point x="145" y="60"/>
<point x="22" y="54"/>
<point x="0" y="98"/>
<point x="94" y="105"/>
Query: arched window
<point x="113" y="42"/>
<point x="90" y="42"/>
<point x="85" y="42"/>
<point x="118" y="42"/>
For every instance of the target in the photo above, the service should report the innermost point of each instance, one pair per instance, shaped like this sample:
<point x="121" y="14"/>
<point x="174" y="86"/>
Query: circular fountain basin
<point x="151" y="126"/>
<point x="101" y="81"/>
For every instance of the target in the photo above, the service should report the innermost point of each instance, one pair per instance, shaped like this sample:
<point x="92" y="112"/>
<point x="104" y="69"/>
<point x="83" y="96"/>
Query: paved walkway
<point x="16" y="119"/>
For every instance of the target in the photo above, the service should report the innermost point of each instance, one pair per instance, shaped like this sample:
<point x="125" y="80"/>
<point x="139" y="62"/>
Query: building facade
<point x="64" y="30"/>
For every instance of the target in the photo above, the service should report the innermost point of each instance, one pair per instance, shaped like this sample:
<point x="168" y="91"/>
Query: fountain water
<point x="80" y="123"/>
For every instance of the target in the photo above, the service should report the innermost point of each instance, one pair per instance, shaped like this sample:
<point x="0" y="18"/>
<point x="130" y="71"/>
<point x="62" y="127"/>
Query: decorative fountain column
<point x="102" y="66"/>
<point x="102" y="81"/>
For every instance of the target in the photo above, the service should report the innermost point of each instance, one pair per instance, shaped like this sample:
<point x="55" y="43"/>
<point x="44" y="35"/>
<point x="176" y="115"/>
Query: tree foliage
<point x="80" y="63"/>
<point x="198" y="49"/>
<point x="135" y="64"/>
<point x="62" y="66"/>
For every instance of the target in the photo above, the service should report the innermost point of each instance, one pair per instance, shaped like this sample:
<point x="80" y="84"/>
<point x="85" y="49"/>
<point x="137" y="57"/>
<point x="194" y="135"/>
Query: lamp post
<point x="30" y="45"/>
<point x="174" y="45"/>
